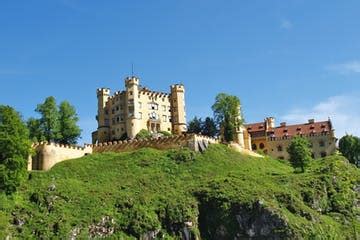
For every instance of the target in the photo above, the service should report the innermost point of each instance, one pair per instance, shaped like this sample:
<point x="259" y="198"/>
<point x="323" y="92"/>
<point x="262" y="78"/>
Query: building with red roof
<point x="272" y="140"/>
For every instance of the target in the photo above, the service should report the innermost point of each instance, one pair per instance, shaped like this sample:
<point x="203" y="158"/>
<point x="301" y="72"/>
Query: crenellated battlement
<point x="49" y="154"/>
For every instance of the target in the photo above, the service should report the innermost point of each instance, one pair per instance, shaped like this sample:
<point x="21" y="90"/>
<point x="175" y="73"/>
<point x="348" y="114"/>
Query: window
<point x="321" y="143"/>
<point x="279" y="148"/>
<point x="140" y="115"/>
<point x="164" y="118"/>
<point x="117" y="119"/>
<point x="164" y="108"/>
<point x="140" y="105"/>
<point x="107" y="122"/>
<point x="113" y="111"/>
<point x="153" y="106"/>
<point x="254" y="147"/>
<point x="282" y="158"/>
<point x="261" y="146"/>
<point x="153" y="115"/>
<point x="113" y="121"/>
<point x="117" y="108"/>
<point x="169" y="129"/>
<point x="131" y="93"/>
<point x="323" y="154"/>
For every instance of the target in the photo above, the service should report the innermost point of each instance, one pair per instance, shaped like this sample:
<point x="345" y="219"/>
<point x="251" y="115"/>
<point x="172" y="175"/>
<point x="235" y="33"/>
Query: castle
<point x="272" y="140"/>
<point x="124" y="114"/>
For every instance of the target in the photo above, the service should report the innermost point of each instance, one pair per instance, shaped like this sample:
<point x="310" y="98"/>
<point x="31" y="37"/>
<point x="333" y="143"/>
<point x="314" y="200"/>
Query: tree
<point x="195" y="125"/>
<point x="300" y="152"/>
<point x="69" y="131"/>
<point x="36" y="133"/>
<point x="208" y="127"/>
<point x="15" y="148"/>
<point x="349" y="147"/>
<point x="227" y="114"/>
<point x="49" y="119"/>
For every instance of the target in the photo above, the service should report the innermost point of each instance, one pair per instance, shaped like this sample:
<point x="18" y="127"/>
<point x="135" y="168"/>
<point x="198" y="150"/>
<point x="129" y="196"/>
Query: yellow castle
<point x="125" y="113"/>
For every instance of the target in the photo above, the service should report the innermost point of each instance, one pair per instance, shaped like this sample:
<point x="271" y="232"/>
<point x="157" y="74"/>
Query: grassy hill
<point x="220" y="194"/>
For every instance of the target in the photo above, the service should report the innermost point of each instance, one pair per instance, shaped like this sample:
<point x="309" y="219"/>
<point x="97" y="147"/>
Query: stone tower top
<point x="129" y="81"/>
<point x="103" y="92"/>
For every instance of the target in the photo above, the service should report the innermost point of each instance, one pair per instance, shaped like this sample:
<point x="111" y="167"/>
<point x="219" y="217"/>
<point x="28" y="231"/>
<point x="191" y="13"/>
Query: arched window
<point x="282" y="158"/>
<point x="321" y="143"/>
<point x="254" y="147"/>
<point x="261" y="146"/>
<point x="279" y="148"/>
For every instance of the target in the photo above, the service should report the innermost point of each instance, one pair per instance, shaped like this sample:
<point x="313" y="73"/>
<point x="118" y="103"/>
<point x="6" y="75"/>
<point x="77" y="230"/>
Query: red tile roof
<point x="292" y="130"/>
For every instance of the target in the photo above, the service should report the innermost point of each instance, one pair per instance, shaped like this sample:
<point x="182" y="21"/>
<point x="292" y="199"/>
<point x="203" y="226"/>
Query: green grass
<point x="149" y="190"/>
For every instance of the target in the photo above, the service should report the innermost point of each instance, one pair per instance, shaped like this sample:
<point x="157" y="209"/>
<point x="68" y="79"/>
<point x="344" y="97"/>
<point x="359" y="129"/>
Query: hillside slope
<point x="220" y="194"/>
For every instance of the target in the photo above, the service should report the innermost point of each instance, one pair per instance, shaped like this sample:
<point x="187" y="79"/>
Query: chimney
<point x="283" y="124"/>
<point x="311" y="121"/>
<point x="270" y="123"/>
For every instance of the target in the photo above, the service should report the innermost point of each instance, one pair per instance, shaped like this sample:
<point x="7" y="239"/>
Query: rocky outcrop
<point x="241" y="221"/>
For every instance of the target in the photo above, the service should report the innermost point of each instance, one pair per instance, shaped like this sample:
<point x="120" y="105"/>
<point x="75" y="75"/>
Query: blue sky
<point x="293" y="60"/>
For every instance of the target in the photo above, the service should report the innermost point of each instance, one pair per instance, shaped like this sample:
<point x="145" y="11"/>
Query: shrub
<point x="182" y="155"/>
<point x="143" y="134"/>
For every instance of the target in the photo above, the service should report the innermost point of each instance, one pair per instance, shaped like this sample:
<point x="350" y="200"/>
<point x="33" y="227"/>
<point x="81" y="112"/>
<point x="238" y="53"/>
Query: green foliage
<point x="49" y="121"/>
<point x="69" y="130"/>
<point x="207" y="127"/>
<point x="349" y="147"/>
<point x="151" y="190"/>
<point x="143" y="134"/>
<point x="14" y="149"/>
<point x="300" y="152"/>
<point x="181" y="155"/>
<point x="165" y="133"/>
<point x="227" y="112"/>
<point x="34" y="126"/>
<point x="58" y="124"/>
<point x="195" y="125"/>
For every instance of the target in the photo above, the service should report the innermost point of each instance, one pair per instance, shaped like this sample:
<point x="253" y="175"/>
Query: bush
<point x="300" y="153"/>
<point x="165" y="133"/>
<point x="143" y="134"/>
<point x="182" y="155"/>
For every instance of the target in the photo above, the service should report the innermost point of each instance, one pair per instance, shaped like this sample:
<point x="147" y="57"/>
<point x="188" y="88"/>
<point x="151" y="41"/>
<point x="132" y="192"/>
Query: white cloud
<point x="345" y="68"/>
<point x="286" y="24"/>
<point x="343" y="110"/>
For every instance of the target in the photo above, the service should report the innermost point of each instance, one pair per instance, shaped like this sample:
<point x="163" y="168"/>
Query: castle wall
<point x="49" y="154"/>
<point x="193" y="141"/>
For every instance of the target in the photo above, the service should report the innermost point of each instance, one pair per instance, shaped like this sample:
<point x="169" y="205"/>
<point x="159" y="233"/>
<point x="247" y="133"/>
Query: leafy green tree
<point x="195" y="125"/>
<point x="227" y="114"/>
<point x="349" y="147"/>
<point x="36" y="133"/>
<point x="209" y="128"/>
<point x="69" y="131"/>
<point x="15" y="148"/>
<point x="143" y="134"/>
<point x="300" y="152"/>
<point x="49" y="119"/>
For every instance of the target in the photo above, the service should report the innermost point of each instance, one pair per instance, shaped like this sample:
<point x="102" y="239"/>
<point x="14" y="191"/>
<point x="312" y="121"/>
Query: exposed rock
<point x="74" y="233"/>
<point x="104" y="228"/>
<point x="150" y="235"/>
<point x="52" y="187"/>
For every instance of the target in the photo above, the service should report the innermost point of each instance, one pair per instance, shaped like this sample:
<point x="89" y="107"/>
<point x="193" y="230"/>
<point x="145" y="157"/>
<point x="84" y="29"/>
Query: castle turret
<point x="102" y="117"/>
<point x="132" y="106"/>
<point x="178" y="115"/>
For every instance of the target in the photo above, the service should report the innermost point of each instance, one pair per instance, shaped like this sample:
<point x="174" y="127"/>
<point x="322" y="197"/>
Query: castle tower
<point x="102" y="117"/>
<point x="178" y="115"/>
<point x="132" y="106"/>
